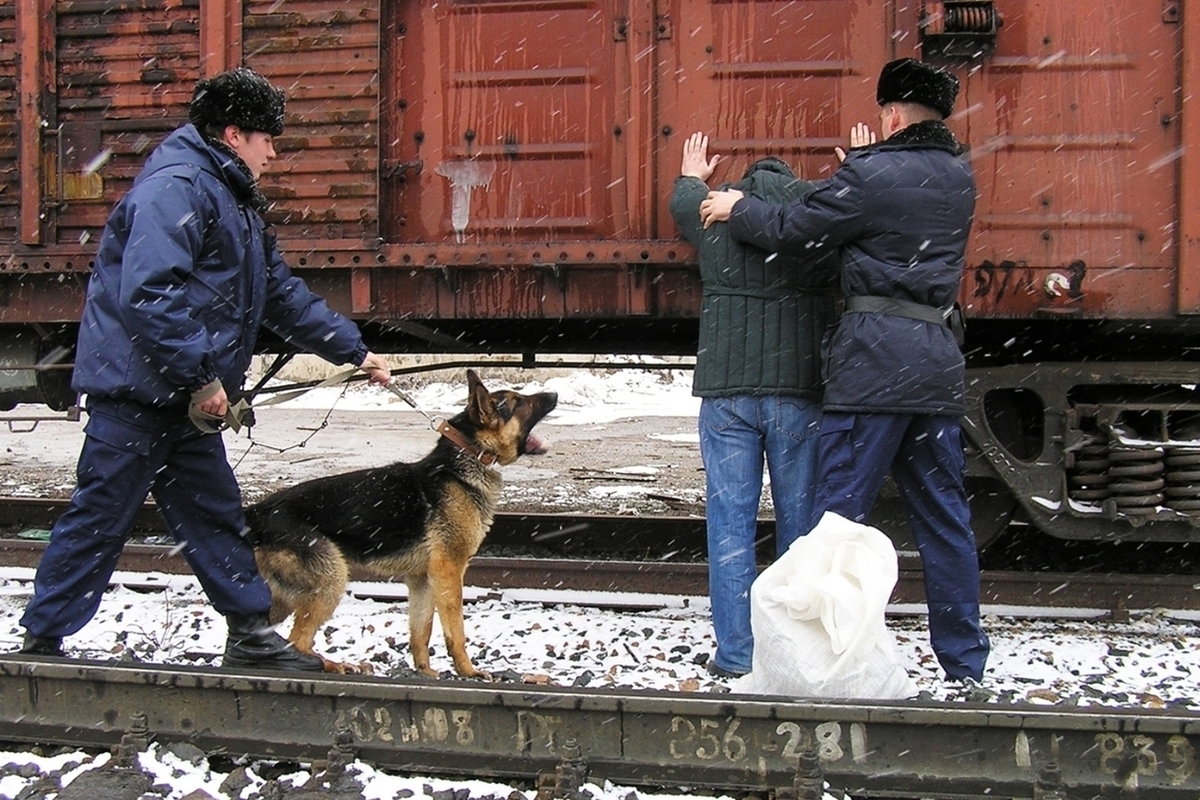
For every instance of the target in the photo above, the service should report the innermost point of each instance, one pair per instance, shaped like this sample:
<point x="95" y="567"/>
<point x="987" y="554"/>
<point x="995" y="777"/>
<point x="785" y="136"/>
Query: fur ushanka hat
<point x="238" y="97"/>
<point x="910" y="81"/>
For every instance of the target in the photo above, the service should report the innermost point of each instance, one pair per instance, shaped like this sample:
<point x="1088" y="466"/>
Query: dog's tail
<point x="256" y="526"/>
<point x="273" y="525"/>
<point x="295" y="559"/>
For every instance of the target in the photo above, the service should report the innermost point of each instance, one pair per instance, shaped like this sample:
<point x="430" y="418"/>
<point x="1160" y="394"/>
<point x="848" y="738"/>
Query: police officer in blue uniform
<point x="899" y="211"/>
<point x="185" y="276"/>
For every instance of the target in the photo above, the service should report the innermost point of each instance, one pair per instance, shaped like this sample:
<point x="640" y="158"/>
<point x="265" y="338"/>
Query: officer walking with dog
<point x="899" y="212"/>
<point x="758" y="377"/>
<point x="186" y="274"/>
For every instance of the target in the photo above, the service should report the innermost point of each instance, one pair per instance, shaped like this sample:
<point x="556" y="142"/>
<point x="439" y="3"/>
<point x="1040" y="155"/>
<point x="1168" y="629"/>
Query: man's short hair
<point x="907" y="80"/>
<point x="916" y="112"/>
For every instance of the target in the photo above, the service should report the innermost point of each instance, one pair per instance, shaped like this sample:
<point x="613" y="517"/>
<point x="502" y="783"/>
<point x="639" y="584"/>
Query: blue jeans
<point x="735" y="434"/>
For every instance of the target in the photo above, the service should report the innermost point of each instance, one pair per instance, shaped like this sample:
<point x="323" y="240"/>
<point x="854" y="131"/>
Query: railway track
<point x="1111" y="594"/>
<point x="505" y="563"/>
<point x="558" y="736"/>
<point x="720" y="742"/>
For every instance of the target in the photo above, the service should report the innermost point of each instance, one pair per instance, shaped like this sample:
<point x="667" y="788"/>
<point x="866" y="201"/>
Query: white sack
<point x="818" y="618"/>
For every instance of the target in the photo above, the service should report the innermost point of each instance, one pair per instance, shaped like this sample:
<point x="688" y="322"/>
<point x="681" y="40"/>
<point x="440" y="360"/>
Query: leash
<point x="438" y="424"/>
<point x="341" y="377"/>
<point x="241" y="413"/>
<point x="238" y="413"/>
<point x="403" y="395"/>
<point x="444" y="428"/>
<point x="332" y="380"/>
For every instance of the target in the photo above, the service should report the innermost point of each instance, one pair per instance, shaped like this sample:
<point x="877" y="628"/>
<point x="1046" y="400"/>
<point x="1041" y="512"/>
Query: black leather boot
<point x="42" y="645"/>
<point x="253" y="642"/>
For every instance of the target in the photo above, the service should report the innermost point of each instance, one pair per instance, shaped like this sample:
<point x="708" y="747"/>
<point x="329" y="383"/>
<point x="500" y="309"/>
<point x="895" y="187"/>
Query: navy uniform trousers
<point x="925" y="456"/>
<point x="132" y="450"/>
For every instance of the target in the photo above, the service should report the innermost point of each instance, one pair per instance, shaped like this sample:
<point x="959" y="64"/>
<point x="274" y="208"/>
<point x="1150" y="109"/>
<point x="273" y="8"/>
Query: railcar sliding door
<point x="504" y="121"/>
<point x="1074" y="127"/>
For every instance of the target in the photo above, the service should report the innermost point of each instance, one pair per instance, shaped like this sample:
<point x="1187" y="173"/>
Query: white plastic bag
<point x="818" y="618"/>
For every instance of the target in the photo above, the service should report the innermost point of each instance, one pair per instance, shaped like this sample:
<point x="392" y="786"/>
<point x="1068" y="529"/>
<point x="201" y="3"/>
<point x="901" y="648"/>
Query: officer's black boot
<point x="254" y="643"/>
<point x="42" y="645"/>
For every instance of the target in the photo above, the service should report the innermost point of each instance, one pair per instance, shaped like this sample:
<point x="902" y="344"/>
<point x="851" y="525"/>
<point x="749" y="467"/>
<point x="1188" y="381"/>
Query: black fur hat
<point x="907" y="80"/>
<point x="238" y="97"/>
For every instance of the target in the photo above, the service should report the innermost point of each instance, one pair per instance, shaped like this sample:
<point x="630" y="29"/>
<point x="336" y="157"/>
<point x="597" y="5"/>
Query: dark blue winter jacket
<point x="899" y="212"/>
<point x="184" y="277"/>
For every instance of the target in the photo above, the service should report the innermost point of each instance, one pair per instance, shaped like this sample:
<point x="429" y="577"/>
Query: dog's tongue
<point x="534" y="446"/>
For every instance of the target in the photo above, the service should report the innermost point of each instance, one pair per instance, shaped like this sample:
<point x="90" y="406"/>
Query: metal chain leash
<point x="343" y="378"/>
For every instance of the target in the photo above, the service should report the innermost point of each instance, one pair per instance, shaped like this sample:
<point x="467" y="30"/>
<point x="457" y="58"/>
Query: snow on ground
<point x="584" y="396"/>
<point x="648" y="642"/>
<point x="182" y="772"/>
<point x="657" y="642"/>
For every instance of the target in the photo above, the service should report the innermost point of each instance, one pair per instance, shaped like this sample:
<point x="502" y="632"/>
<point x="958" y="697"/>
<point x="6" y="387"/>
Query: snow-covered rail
<point x="639" y="738"/>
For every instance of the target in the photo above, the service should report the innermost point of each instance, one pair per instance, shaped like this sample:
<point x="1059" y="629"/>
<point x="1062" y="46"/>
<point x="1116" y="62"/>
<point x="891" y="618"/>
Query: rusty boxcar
<point x="493" y="176"/>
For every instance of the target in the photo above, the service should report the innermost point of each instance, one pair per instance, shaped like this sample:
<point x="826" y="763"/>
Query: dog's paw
<point x="341" y="668"/>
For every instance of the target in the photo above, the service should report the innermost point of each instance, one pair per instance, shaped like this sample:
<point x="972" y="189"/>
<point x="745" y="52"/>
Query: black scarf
<point x="248" y="192"/>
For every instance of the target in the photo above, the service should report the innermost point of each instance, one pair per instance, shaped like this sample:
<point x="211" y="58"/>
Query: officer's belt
<point x="871" y="304"/>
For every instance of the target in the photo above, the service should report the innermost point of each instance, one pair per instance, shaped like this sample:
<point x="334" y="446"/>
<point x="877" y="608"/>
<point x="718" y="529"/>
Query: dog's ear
<point x="480" y="407"/>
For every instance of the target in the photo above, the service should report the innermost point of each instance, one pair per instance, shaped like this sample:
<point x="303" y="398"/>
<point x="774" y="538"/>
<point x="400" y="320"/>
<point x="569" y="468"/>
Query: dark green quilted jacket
<point x="763" y="315"/>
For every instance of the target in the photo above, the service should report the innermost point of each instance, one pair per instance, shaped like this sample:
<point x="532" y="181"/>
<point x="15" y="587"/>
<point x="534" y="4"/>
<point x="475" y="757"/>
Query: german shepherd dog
<point x="421" y="522"/>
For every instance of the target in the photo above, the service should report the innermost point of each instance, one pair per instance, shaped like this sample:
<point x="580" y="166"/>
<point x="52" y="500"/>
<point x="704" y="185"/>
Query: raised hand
<point x="860" y="136"/>
<point x="695" y="158"/>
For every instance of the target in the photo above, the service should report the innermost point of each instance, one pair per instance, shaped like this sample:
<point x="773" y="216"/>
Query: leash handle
<point x="283" y="397"/>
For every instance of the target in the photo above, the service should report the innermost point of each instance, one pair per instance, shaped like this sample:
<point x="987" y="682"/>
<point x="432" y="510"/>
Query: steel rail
<point x="720" y="742"/>
<point x="1112" y="594"/>
<point x="17" y="513"/>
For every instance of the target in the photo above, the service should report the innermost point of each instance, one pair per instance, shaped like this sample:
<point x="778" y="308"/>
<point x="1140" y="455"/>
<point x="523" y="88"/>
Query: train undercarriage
<point x="1081" y="449"/>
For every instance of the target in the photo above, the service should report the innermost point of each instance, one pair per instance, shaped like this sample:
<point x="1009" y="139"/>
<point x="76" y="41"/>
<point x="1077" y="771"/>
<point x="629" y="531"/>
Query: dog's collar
<point x="486" y="457"/>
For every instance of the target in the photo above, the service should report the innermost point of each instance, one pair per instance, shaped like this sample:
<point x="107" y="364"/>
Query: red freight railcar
<point x="493" y="175"/>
